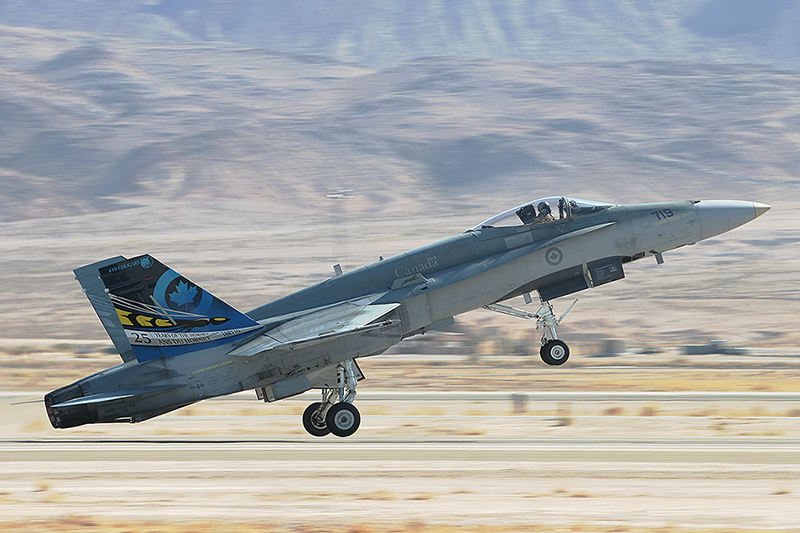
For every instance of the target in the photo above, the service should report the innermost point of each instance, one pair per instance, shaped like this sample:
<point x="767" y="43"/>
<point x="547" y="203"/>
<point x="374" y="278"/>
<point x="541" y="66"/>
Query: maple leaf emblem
<point x="184" y="294"/>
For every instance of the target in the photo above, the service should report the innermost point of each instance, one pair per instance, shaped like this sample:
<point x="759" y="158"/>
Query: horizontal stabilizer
<point x="112" y="396"/>
<point x="343" y="319"/>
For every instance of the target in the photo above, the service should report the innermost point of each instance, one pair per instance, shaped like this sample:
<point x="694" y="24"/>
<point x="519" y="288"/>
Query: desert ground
<point x="484" y="443"/>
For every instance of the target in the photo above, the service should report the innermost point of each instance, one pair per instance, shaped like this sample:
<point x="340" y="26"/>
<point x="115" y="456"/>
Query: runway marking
<point x="694" y="451"/>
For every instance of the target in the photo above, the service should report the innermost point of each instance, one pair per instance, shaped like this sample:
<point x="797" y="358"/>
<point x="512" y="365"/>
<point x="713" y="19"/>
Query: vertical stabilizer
<point x="89" y="278"/>
<point x="160" y="313"/>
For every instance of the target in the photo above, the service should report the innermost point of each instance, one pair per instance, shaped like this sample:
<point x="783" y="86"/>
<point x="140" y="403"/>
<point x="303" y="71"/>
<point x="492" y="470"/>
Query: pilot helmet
<point x="544" y="208"/>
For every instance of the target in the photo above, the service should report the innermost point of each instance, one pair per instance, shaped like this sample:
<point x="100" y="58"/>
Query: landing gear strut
<point x="553" y="351"/>
<point x="335" y="413"/>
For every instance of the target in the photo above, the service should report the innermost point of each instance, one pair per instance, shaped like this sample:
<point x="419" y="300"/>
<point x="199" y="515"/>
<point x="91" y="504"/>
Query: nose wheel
<point x="554" y="352"/>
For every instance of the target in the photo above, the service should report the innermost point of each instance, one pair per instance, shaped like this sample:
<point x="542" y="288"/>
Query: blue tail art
<point x="164" y="314"/>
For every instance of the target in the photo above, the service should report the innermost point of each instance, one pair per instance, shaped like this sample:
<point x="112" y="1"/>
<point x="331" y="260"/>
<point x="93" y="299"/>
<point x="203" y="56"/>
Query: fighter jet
<point x="180" y="344"/>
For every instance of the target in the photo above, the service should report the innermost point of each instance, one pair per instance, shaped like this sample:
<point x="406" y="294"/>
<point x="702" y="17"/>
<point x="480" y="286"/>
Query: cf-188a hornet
<point x="180" y="344"/>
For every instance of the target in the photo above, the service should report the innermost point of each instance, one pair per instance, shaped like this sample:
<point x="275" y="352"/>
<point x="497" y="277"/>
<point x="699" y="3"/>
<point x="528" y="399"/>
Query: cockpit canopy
<point x="543" y="211"/>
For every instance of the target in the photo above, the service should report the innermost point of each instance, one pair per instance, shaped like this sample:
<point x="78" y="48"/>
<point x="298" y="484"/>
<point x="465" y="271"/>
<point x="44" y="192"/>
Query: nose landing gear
<point x="554" y="351"/>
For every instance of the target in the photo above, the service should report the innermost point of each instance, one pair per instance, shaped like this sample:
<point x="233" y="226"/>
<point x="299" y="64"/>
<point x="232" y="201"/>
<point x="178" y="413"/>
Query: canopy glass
<point x="543" y="211"/>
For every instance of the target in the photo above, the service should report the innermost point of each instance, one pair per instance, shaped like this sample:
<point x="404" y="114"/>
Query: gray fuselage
<point x="431" y="284"/>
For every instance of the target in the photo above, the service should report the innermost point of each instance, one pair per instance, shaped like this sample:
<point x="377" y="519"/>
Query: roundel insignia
<point x="553" y="256"/>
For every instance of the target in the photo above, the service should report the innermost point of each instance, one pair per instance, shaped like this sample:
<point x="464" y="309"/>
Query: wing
<point x="342" y="319"/>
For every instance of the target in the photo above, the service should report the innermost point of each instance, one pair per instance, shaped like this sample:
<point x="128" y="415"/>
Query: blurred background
<point x="212" y="133"/>
<point x="251" y="145"/>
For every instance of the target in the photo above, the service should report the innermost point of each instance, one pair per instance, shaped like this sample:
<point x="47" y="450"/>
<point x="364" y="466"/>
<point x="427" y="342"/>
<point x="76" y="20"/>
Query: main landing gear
<point x="335" y="413"/>
<point x="554" y="351"/>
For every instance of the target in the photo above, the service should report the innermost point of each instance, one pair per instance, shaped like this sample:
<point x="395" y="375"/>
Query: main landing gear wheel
<point x="313" y="420"/>
<point x="336" y="413"/>
<point x="343" y="419"/>
<point x="554" y="352"/>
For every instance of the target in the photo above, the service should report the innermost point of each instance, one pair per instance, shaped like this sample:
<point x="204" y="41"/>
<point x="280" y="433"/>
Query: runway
<point x="740" y="450"/>
<point x="402" y="484"/>
<point x="425" y="462"/>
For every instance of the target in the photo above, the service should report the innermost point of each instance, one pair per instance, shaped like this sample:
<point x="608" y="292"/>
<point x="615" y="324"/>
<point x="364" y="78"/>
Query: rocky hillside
<point x="94" y="123"/>
<point x="386" y="33"/>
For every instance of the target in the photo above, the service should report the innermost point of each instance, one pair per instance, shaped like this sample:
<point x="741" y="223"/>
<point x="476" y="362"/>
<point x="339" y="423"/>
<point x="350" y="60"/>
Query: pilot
<point x="545" y="214"/>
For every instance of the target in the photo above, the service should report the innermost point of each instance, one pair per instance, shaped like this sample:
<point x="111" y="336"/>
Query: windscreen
<point x="543" y="211"/>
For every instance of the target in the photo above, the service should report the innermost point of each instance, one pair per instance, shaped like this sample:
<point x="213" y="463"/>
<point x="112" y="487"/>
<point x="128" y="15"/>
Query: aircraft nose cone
<point x="761" y="208"/>
<point x="719" y="216"/>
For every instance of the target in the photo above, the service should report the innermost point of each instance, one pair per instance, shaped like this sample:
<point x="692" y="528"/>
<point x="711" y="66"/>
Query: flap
<point x="342" y="319"/>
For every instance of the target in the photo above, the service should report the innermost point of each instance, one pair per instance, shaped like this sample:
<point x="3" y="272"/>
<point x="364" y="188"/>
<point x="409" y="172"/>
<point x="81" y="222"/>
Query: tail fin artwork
<point x="151" y="311"/>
